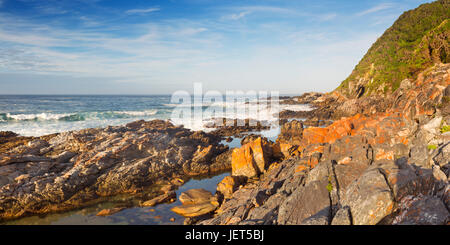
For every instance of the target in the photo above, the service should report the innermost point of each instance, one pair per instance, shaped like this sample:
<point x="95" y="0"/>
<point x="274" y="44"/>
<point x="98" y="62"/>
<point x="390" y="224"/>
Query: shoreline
<point x="352" y="161"/>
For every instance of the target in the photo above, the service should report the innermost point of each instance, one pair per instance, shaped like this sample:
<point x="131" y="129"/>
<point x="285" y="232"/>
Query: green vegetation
<point x="330" y="185"/>
<point x="432" y="147"/>
<point x="418" y="39"/>
<point x="445" y="129"/>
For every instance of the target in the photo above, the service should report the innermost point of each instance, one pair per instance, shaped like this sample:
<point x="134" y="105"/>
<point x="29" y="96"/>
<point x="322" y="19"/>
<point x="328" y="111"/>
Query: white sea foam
<point x="138" y="113"/>
<point x="40" y="116"/>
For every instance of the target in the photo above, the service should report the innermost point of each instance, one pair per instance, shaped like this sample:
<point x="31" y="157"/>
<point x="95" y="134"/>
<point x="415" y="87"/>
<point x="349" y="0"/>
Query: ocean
<point x="37" y="115"/>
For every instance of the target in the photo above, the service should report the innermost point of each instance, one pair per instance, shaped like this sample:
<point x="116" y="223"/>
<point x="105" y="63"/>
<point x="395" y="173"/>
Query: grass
<point x="432" y="147"/>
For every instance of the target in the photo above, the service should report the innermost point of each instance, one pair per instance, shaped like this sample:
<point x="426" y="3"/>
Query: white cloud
<point x="142" y="11"/>
<point x="376" y="8"/>
<point x="238" y="16"/>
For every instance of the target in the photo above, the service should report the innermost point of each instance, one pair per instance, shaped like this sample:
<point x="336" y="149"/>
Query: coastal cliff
<point x="416" y="41"/>
<point x="374" y="151"/>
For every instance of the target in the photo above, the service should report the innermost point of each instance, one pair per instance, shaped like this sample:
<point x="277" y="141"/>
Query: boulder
<point x="196" y="202"/>
<point x="305" y="202"/>
<point x="194" y="210"/>
<point x="230" y="184"/>
<point x="251" y="159"/>
<point x="195" y="196"/>
<point x="369" y="198"/>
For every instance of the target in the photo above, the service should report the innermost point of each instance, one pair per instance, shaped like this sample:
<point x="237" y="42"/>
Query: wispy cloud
<point x="238" y="15"/>
<point x="142" y="11"/>
<point x="241" y="12"/>
<point x="376" y="8"/>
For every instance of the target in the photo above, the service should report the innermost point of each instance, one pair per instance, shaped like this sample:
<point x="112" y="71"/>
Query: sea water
<point x="37" y="115"/>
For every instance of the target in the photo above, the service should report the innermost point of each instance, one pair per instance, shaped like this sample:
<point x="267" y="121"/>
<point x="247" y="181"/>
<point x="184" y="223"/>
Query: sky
<point x="158" y="47"/>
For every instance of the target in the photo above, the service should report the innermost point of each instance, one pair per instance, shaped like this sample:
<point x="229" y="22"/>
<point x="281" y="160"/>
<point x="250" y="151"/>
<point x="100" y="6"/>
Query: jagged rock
<point x="251" y="159"/>
<point x="422" y="210"/>
<point x="342" y="217"/>
<point x="230" y="184"/>
<point x="369" y="198"/>
<point x="291" y="132"/>
<point x="305" y="202"/>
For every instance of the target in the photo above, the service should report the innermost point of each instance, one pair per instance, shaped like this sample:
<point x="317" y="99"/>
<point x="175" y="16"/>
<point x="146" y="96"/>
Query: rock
<point x="442" y="158"/>
<point x="251" y="159"/>
<point x="166" y="197"/>
<point x="196" y="202"/>
<point x="369" y="198"/>
<point x="8" y="134"/>
<point x="304" y="203"/>
<point x="342" y="217"/>
<point x="81" y="166"/>
<point x="64" y="157"/>
<point x="433" y="125"/>
<point x="168" y="188"/>
<point x="291" y="132"/>
<point x="236" y="127"/>
<point x="195" y="196"/>
<point x="230" y="184"/>
<point x="111" y="211"/>
<point x="193" y="210"/>
<point x="5" y="160"/>
<point x="249" y="138"/>
<point x="438" y="174"/>
<point x="422" y="210"/>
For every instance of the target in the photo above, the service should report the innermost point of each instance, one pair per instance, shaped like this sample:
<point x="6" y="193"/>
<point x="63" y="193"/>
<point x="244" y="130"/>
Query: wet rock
<point x="111" y="211"/>
<point x="166" y="197"/>
<point x="235" y="127"/>
<point x="194" y="210"/>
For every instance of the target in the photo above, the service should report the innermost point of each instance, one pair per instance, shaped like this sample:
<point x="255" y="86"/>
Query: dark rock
<point x="422" y="210"/>
<point x="342" y="217"/>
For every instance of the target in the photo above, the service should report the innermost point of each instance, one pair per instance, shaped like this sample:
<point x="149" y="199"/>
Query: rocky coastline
<point x="368" y="160"/>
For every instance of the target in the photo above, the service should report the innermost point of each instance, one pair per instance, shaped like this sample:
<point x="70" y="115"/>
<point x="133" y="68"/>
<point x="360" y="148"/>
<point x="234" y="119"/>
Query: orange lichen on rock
<point x="251" y="159"/>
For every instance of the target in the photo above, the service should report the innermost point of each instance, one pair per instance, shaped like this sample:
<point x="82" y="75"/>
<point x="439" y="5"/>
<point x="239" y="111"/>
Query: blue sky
<point x="154" y="47"/>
